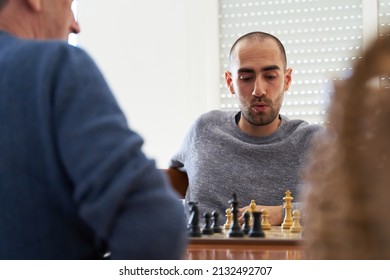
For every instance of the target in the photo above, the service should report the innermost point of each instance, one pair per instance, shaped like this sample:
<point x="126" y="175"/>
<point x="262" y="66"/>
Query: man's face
<point x="258" y="79"/>
<point x="59" y="20"/>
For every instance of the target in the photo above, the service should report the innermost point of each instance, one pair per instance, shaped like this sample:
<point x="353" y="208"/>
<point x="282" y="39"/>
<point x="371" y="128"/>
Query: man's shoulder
<point x="212" y="119"/>
<point x="299" y="124"/>
<point x="309" y="127"/>
<point x="301" y="131"/>
<point x="43" y="53"/>
<point x="216" y="115"/>
<point x="62" y="50"/>
<point x="22" y="44"/>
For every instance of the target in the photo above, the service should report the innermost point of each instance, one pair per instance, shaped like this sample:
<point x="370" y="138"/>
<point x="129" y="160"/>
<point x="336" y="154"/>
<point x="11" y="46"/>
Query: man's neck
<point x="18" y="23"/>
<point x="259" y="131"/>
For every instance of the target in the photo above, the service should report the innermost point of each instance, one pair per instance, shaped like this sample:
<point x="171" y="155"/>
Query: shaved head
<point x="260" y="37"/>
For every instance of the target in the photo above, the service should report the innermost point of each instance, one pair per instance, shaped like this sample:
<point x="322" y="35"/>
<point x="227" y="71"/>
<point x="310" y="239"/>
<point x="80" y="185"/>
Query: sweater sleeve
<point x="121" y="195"/>
<point x="179" y="159"/>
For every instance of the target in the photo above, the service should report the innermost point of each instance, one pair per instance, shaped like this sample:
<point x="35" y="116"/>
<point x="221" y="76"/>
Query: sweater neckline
<point x="257" y="139"/>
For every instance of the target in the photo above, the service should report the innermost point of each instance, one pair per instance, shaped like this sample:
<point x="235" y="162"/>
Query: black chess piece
<point x="207" y="228"/>
<point x="256" y="230"/>
<point x="215" y="226"/>
<point x="193" y="224"/>
<point x="247" y="227"/>
<point x="235" y="229"/>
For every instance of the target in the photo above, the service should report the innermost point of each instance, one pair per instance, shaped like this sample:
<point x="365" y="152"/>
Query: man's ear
<point x="35" y="5"/>
<point x="229" y="81"/>
<point x="287" y="78"/>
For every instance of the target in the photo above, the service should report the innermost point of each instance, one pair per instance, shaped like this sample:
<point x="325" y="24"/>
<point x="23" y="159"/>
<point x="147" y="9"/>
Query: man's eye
<point x="270" y="77"/>
<point x="245" y="77"/>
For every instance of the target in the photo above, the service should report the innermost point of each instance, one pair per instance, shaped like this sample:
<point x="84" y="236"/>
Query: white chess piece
<point x="287" y="222"/>
<point x="228" y="218"/>
<point x="265" y="225"/>
<point x="296" y="226"/>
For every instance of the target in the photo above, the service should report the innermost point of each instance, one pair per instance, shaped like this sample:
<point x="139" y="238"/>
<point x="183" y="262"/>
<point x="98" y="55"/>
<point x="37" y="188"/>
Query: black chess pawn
<point x="235" y="228"/>
<point x="256" y="230"/>
<point x="207" y="228"/>
<point x="247" y="227"/>
<point x="193" y="224"/>
<point x="215" y="226"/>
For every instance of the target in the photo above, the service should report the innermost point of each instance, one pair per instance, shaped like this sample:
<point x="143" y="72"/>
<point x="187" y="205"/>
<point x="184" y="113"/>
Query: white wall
<point x="161" y="60"/>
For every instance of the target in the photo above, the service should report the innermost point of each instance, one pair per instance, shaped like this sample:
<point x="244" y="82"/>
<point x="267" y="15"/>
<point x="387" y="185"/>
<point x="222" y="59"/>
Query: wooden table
<point x="277" y="244"/>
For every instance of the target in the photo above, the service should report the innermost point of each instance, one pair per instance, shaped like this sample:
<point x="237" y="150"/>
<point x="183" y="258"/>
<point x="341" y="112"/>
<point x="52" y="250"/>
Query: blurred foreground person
<point x="74" y="183"/>
<point x="349" y="183"/>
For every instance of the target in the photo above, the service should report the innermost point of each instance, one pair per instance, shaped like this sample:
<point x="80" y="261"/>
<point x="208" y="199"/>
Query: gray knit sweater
<point x="220" y="160"/>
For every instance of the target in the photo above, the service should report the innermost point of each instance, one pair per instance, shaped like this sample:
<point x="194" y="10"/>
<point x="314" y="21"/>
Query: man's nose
<point x="75" y="27"/>
<point x="259" y="88"/>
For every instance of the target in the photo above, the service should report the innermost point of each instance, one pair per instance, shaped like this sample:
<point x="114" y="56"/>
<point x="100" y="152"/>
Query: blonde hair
<point x="348" y="198"/>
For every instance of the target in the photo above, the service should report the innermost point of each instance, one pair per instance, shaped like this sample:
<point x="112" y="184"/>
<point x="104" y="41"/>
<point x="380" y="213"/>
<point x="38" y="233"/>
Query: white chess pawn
<point x="296" y="226"/>
<point x="265" y="225"/>
<point x="228" y="218"/>
<point x="251" y="209"/>
<point x="253" y="206"/>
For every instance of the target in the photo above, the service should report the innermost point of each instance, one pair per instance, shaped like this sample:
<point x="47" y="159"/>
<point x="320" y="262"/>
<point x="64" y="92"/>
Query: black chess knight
<point x="193" y="223"/>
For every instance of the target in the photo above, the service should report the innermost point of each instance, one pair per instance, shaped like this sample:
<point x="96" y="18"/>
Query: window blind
<point x="322" y="39"/>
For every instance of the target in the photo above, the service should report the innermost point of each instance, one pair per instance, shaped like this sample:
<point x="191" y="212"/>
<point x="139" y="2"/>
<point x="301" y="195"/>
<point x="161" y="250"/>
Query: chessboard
<point x="277" y="244"/>
<point x="254" y="239"/>
<point x="275" y="236"/>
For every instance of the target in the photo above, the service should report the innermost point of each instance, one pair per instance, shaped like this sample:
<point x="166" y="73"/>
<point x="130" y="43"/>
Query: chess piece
<point x="287" y="221"/>
<point x="265" y="225"/>
<point x="216" y="228"/>
<point x="256" y="230"/>
<point x="208" y="230"/>
<point x="246" y="226"/>
<point x="228" y="219"/>
<point x="235" y="229"/>
<point x="296" y="226"/>
<point x="193" y="224"/>
<point x="252" y="207"/>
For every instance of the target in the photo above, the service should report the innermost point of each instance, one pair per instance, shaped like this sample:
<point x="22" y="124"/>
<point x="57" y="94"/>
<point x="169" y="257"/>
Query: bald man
<point x="255" y="152"/>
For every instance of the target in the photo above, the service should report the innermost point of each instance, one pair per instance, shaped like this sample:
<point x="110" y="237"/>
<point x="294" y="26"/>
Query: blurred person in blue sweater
<point x="74" y="182"/>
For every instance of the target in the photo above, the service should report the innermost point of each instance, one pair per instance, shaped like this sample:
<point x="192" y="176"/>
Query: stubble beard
<point x="260" y="119"/>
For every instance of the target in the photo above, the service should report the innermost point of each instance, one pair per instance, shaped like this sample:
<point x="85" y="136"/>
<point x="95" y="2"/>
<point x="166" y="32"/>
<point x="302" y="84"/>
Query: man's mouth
<point x="260" y="107"/>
